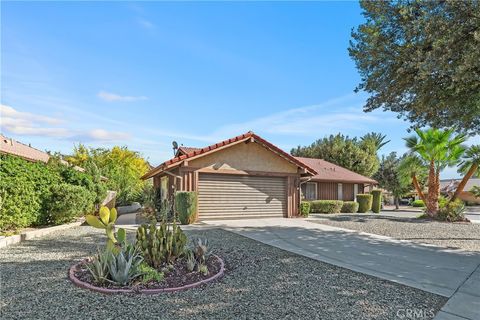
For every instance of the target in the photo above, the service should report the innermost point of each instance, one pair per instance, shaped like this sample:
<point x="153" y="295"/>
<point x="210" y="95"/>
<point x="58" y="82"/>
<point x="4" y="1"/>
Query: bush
<point x="418" y="203"/>
<point x="326" y="206"/>
<point x="364" y="202"/>
<point x="376" y="200"/>
<point x="186" y="206"/>
<point x="452" y="211"/>
<point x="68" y="202"/>
<point x="305" y="208"/>
<point x="349" y="207"/>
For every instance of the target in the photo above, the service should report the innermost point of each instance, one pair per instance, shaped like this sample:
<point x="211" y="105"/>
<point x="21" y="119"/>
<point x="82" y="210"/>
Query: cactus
<point x="106" y="220"/>
<point x="161" y="245"/>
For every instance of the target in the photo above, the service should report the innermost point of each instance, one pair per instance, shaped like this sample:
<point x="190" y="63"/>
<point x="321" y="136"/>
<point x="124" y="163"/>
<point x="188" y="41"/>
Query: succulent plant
<point x="161" y="245"/>
<point x="190" y="261"/>
<point x="202" y="268"/>
<point x="98" y="267"/>
<point x="106" y="220"/>
<point x="201" y="250"/>
<point x="123" y="267"/>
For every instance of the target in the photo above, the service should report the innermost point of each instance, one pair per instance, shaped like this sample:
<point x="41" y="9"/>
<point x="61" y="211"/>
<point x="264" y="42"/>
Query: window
<point x="309" y="191"/>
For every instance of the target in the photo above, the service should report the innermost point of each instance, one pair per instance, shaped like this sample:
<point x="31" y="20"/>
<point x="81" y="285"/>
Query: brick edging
<point x="85" y="285"/>
<point x="32" y="234"/>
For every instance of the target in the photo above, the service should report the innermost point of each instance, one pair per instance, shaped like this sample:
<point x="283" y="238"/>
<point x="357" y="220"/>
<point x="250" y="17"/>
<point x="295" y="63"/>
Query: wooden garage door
<point x="238" y="196"/>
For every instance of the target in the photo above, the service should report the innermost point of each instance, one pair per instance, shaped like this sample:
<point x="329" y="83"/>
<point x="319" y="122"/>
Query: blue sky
<point x="144" y="74"/>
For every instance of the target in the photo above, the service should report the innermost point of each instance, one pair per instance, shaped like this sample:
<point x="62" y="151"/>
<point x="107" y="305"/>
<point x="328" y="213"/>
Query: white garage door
<point x="238" y="196"/>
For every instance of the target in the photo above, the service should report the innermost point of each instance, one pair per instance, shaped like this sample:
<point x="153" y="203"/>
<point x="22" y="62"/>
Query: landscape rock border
<point x="86" y="285"/>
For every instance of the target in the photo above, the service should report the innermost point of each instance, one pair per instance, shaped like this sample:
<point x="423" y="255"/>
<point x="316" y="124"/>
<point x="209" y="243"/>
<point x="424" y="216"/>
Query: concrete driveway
<point x="450" y="273"/>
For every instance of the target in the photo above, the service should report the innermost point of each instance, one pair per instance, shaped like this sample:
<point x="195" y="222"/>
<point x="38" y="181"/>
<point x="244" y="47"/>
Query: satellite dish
<point x="175" y="147"/>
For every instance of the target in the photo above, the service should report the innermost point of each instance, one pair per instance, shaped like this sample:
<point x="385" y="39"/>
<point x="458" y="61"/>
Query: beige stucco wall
<point x="245" y="156"/>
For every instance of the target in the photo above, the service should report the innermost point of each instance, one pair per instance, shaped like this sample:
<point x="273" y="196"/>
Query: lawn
<point x="261" y="282"/>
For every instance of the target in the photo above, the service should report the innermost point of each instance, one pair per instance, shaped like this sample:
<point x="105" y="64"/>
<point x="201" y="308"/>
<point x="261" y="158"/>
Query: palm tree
<point x="440" y="149"/>
<point x="475" y="191"/>
<point x="412" y="170"/>
<point x="377" y="139"/>
<point x="469" y="166"/>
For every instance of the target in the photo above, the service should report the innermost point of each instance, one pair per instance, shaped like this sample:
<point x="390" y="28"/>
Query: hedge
<point x="364" y="202"/>
<point x="305" y="208"/>
<point x="326" y="206"/>
<point x="349" y="207"/>
<point x="26" y="190"/>
<point x="68" y="202"/>
<point x="377" y="200"/>
<point x="418" y="203"/>
<point x="186" y="206"/>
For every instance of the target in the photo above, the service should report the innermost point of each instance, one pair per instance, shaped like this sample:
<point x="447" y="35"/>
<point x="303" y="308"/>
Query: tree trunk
<point x="397" y="205"/>
<point x="432" y="195"/>
<point x="417" y="187"/>
<point x="464" y="181"/>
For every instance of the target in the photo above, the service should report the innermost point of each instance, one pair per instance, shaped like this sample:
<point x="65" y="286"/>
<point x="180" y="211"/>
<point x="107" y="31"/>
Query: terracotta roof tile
<point x="327" y="171"/>
<point x="213" y="147"/>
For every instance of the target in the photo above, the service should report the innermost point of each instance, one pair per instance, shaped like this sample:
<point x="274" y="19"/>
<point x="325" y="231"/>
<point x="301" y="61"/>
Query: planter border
<point x="86" y="285"/>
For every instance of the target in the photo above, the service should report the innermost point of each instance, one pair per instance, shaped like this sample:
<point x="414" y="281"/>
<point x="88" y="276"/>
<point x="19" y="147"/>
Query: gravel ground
<point x="452" y="235"/>
<point x="261" y="282"/>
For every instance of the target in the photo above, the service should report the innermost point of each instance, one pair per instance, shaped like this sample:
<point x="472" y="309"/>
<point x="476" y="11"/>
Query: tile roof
<point x="212" y="148"/>
<point x="327" y="171"/>
<point x="186" y="150"/>
<point x="19" y="149"/>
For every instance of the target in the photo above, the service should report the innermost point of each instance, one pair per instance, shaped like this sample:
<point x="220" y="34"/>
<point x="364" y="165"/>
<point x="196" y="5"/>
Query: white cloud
<point x="11" y="113"/>
<point x="113" y="97"/>
<point x="146" y="23"/>
<point x="30" y="124"/>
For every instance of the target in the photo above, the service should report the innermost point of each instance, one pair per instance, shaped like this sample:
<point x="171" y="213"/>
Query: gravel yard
<point x="453" y="235"/>
<point x="261" y="282"/>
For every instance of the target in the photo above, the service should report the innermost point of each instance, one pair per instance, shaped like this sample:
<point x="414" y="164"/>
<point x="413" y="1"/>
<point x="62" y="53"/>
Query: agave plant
<point x="190" y="260"/>
<point x="123" y="267"/>
<point x="98" y="267"/>
<point x="200" y="250"/>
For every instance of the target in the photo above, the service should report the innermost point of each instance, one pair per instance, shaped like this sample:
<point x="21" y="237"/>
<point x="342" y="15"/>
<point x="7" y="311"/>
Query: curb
<point x="32" y="234"/>
<point x="85" y="285"/>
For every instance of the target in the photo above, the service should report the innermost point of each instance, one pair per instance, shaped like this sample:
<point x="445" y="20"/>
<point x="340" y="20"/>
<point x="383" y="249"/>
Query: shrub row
<point x="326" y="206"/>
<point x="34" y="193"/>
<point x="364" y="202"/>
<point x="349" y="207"/>
<point x="418" y="203"/>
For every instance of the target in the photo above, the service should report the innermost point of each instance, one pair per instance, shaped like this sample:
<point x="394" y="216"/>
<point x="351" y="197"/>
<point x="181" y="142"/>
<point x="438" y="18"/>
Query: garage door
<point x="238" y="196"/>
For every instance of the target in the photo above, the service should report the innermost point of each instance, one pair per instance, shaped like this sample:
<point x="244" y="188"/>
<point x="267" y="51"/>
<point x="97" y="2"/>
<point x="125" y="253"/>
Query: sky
<point x="145" y="74"/>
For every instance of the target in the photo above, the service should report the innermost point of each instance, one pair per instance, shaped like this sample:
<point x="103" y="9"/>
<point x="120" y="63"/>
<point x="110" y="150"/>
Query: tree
<point x="376" y="138"/>
<point x="475" y="191"/>
<point x="121" y="166"/>
<point x="421" y="59"/>
<point x="469" y="166"/>
<point x="389" y="179"/>
<point x="412" y="170"/>
<point x="358" y="156"/>
<point x="439" y="149"/>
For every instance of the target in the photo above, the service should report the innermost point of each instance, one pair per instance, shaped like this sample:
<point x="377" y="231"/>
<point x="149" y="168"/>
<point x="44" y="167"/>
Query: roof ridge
<point x="26" y="145"/>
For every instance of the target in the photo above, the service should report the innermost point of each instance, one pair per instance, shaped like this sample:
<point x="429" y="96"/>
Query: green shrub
<point x="452" y="211"/>
<point x="149" y="274"/>
<point x="68" y="202"/>
<point x="349" y="207"/>
<point x="326" y="206"/>
<point x="305" y="208"/>
<point x="376" y="200"/>
<point x="186" y="206"/>
<point x="364" y="202"/>
<point x="418" y="203"/>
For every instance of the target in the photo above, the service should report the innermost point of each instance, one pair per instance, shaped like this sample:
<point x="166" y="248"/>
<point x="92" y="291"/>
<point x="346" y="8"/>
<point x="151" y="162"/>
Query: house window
<point x="309" y="191"/>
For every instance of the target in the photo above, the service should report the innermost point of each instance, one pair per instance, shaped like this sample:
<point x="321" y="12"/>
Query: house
<point x="247" y="176"/>
<point x="449" y="186"/>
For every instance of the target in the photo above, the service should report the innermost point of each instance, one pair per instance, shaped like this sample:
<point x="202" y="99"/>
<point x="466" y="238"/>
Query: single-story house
<point x="247" y="176"/>
<point x="449" y="186"/>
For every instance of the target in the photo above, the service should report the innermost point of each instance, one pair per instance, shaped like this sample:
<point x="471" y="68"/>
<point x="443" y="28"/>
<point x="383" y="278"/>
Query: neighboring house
<point x="247" y="176"/>
<point x="449" y="186"/>
<point x="333" y="182"/>
<point x="27" y="152"/>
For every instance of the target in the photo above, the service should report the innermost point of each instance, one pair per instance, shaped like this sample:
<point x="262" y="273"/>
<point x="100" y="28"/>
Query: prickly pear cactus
<point x="106" y="220"/>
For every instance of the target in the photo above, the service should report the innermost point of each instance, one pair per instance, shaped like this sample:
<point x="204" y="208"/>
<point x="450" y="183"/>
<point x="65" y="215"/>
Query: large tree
<point x="421" y="59"/>
<point x="438" y="149"/>
<point x="389" y="178"/>
<point x="357" y="155"/>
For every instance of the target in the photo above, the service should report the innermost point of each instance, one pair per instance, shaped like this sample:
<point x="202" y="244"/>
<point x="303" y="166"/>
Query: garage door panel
<point x="243" y="196"/>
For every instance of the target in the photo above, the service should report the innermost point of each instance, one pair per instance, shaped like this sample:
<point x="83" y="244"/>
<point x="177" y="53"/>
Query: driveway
<point x="451" y="273"/>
